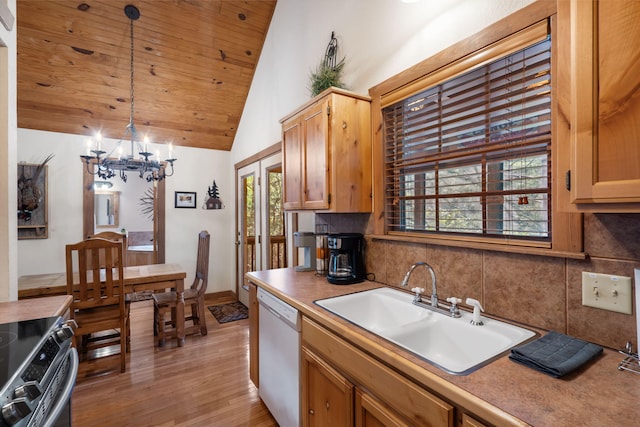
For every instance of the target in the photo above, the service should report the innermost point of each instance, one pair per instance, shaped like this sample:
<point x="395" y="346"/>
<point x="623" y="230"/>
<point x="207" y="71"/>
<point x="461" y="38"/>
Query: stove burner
<point x="6" y="338"/>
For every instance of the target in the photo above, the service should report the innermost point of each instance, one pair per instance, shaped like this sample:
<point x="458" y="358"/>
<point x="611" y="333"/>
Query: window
<point x="471" y="155"/>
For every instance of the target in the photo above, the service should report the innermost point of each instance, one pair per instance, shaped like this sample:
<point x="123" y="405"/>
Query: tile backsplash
<point x="544" y="292"/>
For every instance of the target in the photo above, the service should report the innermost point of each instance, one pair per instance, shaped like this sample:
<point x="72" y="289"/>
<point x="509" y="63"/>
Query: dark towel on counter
<point x="555" y="354"/>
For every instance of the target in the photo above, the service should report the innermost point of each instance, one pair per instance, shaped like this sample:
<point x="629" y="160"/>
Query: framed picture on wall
<point x="185" y="199"/>
<point x="32" y="201"/>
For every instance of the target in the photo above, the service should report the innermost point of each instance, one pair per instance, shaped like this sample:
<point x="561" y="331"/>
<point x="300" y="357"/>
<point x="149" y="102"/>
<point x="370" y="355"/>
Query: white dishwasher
<point x="279" y="358"/>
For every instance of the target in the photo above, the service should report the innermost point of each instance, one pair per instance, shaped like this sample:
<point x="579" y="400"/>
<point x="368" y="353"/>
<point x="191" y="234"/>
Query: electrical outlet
<point x="607" y="292"/>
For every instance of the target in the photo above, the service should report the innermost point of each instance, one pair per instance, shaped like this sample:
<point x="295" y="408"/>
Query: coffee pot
<point x="346" y="258"/>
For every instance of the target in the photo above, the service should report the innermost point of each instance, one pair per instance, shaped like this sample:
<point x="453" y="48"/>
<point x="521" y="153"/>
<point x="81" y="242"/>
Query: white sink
<point x="377" y="309"/>
<point x="452" y="344"/>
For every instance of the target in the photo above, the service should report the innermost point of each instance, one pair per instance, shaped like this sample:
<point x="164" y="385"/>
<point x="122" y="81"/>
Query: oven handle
<point x="65" y="395"/>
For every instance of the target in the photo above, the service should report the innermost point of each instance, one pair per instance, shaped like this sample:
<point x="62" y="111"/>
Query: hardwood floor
<point x="204" y="383"/>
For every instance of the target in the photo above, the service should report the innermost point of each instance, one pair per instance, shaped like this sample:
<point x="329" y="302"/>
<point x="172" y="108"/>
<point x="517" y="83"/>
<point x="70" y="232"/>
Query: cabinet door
<point x="371" y="413"/>
<point x="605" y="114"/>
<point x="315" y="125"/>
<point x="292" y="163"/>
<point x="327" y="397"/>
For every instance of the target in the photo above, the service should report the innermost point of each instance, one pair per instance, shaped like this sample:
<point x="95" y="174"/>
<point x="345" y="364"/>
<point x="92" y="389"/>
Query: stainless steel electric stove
<point x="38" y="369"/>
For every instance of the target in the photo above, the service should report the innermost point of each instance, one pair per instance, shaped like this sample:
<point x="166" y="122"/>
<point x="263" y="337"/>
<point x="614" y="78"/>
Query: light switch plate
<point x="607" y="292"/>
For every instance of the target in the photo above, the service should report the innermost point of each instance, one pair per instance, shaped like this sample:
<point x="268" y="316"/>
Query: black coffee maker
<point x="346" y="258"/>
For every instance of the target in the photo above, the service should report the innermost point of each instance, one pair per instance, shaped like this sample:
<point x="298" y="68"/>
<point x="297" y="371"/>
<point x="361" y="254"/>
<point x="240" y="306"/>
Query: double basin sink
<point x="451" y="344"/>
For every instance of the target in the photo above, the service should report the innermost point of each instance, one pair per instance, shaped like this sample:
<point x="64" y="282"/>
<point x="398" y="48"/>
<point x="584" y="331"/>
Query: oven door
<point x="59" y="414"/>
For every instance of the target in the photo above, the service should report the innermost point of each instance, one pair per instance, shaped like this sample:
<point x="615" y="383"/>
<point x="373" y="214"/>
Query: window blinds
<point x="471" y="155"/>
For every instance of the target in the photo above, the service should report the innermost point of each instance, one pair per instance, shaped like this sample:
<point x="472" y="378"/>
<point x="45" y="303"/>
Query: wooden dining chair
<point x="116" y="237"/>
<point x="98" y="293"/>
<point x="165" y="302"/>
<point x="122" y="238"/>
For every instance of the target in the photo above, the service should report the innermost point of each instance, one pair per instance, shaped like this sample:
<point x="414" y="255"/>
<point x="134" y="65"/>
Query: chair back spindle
<point x="116" y="237"/>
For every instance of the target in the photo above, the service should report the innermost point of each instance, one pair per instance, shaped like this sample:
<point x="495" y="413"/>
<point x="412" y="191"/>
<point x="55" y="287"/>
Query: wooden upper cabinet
<point x="605" y="104"/>
<point x="326" y="147"/>
<point x="315" y="159"/>
<point x="292" y="160"/>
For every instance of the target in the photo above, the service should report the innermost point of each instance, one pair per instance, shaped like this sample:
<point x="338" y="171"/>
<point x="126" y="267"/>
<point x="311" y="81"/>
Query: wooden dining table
<point x="151" y="277"/>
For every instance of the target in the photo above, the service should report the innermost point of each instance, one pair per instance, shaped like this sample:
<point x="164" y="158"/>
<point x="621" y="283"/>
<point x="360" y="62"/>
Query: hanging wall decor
<point x="213" y="202"/>
<point x="32" y="200"/>
<point x="147" y="203"/>
<point x="329" y="72"/>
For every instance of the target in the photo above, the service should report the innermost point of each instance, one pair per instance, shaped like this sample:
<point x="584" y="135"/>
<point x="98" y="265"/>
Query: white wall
<point x="64" y="181"/>
<point x="195" y="170"/>
<point x="378" y="38"/>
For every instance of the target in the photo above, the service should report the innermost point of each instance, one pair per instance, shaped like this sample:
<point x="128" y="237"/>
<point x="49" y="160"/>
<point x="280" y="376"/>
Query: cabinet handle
<point x="311" y="411"/>
<point x="327" y="405"/>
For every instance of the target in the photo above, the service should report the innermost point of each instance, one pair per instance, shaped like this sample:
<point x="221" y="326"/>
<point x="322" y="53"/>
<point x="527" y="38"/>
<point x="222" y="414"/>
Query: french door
<point x="261" y="240"/>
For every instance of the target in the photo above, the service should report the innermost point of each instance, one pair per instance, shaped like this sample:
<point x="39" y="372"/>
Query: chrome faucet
<point x="434" y="291"/>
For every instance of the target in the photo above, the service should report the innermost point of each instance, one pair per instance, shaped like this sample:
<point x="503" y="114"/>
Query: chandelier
<point x="146" y="167"/>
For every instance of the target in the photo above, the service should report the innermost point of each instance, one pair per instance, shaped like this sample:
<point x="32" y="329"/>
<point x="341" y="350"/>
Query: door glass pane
<point x="249" y="223"/>
<point x="277" y="253"/>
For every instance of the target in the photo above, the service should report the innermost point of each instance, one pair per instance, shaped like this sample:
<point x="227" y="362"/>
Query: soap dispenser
<point x="477" y="308"/>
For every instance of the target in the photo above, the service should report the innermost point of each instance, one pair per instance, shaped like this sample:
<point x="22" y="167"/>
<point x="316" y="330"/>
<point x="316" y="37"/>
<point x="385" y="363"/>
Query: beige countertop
<point x="34" y="308"/>
<point x="503" y="392"/>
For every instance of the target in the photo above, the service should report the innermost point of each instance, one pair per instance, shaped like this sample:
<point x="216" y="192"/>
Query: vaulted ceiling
<point x="193" y="65"/>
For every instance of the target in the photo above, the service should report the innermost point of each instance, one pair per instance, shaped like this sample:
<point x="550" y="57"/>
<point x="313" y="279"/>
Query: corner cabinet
<point x="326" y="146"/>
<point x="605" y="103"/>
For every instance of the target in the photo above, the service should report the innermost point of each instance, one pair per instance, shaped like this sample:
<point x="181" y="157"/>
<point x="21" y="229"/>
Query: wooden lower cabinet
<point x="329" y="399"/>
<point x="343" y="386"/>
<point x="327" y="396"/>
<point x="253" y="334"/>
<point x="372" y="413"/>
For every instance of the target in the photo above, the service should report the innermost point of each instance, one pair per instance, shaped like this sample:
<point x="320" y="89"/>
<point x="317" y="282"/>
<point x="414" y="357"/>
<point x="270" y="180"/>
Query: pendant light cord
<point x="131" y="126"/>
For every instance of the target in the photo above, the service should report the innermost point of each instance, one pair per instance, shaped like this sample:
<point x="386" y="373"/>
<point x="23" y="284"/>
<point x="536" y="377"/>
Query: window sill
<point x="487" y="246"/>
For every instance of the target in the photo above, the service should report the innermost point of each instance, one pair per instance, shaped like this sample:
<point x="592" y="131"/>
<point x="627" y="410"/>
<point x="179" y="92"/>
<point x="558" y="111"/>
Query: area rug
<point x="229" y="312"/>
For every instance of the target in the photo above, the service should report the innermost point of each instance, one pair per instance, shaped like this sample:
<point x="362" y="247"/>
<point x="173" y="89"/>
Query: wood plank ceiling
<point x="193" y="65"/>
